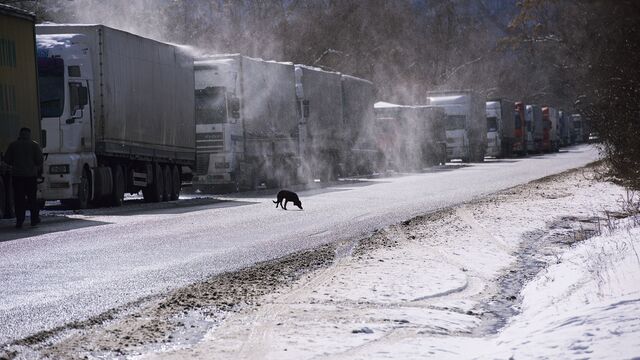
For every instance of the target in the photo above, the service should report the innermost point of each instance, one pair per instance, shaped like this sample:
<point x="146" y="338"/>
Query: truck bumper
<point x="493" y="151"/>
<point x="63" y="185"/>
<point x="212" y="179"/>
<point x="218" y="171"/>
<point x="457" y="152"/>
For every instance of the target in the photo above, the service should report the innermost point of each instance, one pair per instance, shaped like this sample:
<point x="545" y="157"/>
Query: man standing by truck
<point x="25" y="158"/>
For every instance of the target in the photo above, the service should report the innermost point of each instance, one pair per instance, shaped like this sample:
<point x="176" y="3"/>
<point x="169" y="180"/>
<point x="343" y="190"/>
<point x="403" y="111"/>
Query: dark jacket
<point x="25" y="158"/>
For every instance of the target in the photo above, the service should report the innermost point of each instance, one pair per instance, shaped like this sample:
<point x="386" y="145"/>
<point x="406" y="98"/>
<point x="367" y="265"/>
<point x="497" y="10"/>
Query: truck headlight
<point x="59" y="169"/>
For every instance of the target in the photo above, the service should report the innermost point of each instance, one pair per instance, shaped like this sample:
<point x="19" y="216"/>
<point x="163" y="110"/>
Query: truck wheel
<point x="153" y="192"/>
<point x="117" y="194"/>
<point x="158" y="183"/>
<point x="167" y="180"/>
<point x="235" y="186"/>
<point x="3" y="199"/>
<point x="175" y="183"/>
<point x="84" y="191"/>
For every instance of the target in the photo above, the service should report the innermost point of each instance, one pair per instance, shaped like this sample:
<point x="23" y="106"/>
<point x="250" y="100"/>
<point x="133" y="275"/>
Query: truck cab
<point x="494" y="129"/>
<point x="65" y="77"/>
<point x="218" y="124"/>
<point x="533" y="119"/>
<point x="465" y="123"/>
<point x="455" y="126"/>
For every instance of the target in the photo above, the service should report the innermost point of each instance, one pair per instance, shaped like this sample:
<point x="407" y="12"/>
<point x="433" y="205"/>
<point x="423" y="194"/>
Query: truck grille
<point x="212" y="142"/>
<point x="202" y="164"/>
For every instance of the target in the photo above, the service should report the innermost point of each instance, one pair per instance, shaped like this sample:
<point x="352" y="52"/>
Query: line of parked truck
<point x="120" y="113"/>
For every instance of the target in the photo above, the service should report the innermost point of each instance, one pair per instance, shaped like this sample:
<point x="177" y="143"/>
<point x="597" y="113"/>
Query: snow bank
<point x="588" y="305"/>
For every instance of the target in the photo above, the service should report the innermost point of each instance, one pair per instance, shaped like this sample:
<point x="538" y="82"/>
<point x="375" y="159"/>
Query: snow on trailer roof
<point x="309" y="67"/>
<point x="204" y="64"/>
<point x="52" y="24"/>
<point x="185" y="48"/>
<point x="385" y="105"/>
<point x="16" y="12"/>
<point x="447" y="98"/>
<point x="49" y="41"/>
<point x="357" y="78"/>
<point x="218" y="57"/>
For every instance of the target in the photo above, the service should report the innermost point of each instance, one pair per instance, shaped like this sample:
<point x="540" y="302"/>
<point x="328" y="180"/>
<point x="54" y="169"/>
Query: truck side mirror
<point x="234" y="104"/>
<point x="83" y="96"/>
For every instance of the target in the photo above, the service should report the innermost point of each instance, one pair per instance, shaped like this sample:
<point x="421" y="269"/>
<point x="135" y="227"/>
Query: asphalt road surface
<point x="76" y="265"/>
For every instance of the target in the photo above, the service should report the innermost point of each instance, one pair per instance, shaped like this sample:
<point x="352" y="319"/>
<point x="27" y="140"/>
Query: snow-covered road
<point x="525" y="273"/>
<point x="94" y="261"/>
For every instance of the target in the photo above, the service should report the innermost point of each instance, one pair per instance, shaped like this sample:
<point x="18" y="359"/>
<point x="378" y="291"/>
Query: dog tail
<point x="275" y="202"/>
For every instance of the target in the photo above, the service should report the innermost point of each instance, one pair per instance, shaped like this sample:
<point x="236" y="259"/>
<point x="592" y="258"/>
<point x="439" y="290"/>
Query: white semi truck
<point x="535" y="128"/>
<point x="409" y="137"/>
<point x="501" y="128"/>
<point x="465" y="123"/>
<point x="248" y="124"/>
<point x="117" y="112"/>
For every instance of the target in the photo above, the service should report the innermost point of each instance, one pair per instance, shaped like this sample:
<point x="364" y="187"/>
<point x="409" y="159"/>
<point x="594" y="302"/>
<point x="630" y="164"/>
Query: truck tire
<point x="175" y="183"/>
<point x="158" y="183"/>
<point x="3" y="199"/>
<point x="84" y="192"/>
<point x="153" y="191"/>
<point x="117" y="193"/>
<point x="167" y="182"/>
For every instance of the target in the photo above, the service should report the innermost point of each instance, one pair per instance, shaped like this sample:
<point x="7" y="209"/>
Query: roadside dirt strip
<point x="452" y="274"/>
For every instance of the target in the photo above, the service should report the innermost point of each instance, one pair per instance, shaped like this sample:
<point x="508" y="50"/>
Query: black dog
<point x="288" y="196"/>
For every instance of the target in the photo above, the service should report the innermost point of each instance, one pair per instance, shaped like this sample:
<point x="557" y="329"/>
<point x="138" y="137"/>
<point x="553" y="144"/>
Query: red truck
<point x="549" y="130"/>
<point x="520" y="142"/>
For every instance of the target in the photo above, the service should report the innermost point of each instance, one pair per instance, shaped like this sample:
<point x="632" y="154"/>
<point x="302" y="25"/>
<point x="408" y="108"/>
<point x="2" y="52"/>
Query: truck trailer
<point x="501" y="128"/>
<point x="319" y="93"/>
<point x="466" y="123"/>
<point x="248" y="131"/>
<point x="118" y="115"/>
<point x="578" y="134"/>
<point x="550" y="129"/>
<point x="358" y="98"/>
<point x="410" y="138"/>
<point x="19" y="104"/>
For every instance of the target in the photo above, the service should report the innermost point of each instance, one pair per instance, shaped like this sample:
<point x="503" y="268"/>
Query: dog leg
<point x="285" y="204"/>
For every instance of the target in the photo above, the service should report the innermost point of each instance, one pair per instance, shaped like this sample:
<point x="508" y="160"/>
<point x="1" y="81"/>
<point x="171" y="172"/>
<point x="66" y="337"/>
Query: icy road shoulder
<point x="541" y="270"/>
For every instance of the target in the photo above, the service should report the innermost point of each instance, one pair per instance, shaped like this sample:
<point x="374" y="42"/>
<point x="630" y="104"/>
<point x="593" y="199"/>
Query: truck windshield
<point x="455" y="122"/>
<point x="51" y="86"/>
<point x="211" y="106"/>
<point x="492" y="124"/>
